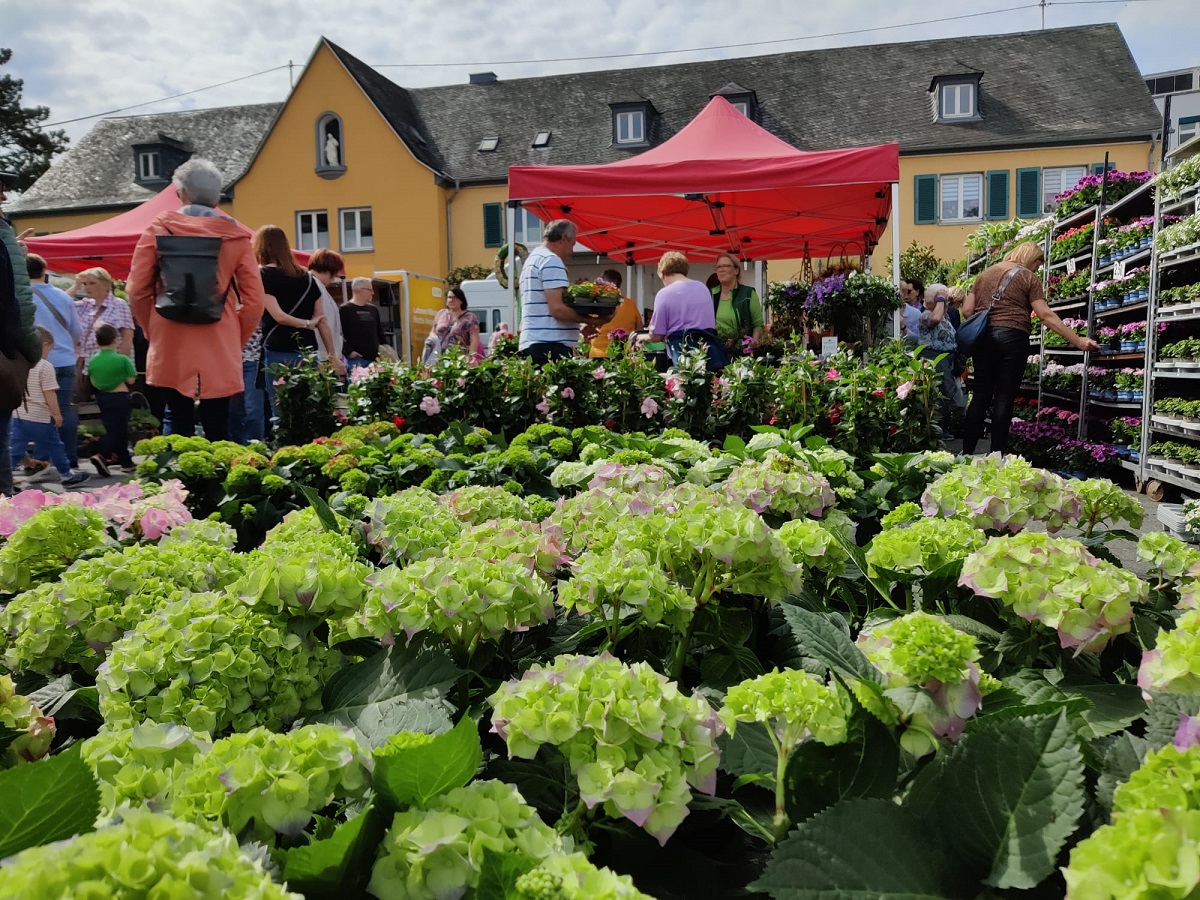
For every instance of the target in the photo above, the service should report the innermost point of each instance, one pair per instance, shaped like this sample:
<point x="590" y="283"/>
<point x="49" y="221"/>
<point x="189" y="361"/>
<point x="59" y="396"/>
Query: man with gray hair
<point x="549" y="326"/>
<point x="194" y="360"/>
<point x="362" y="330"/>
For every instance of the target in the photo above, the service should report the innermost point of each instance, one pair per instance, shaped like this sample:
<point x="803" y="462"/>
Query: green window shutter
<point x="997" y="194"/>
<point x="1029" y="193"/>
<point x="1098" y="168"/>
<point x="493" y="224"/>
<point x="925" y="187"/>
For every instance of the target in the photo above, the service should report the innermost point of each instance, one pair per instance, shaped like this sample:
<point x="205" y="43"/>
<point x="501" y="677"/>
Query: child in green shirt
<point x="111" y="374"/>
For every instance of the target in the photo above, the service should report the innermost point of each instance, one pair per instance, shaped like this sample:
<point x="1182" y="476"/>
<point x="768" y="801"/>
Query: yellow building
<point x="989" y="127"/>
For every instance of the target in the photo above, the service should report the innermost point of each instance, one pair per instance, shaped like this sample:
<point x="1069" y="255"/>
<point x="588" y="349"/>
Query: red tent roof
<point x="722" y="184"/>
<point x="109" y="243"/>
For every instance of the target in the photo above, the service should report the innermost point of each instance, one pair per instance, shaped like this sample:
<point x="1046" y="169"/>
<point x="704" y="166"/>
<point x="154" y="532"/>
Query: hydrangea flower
<point x="18" y="716"/>
<point x="922" y="547"/>
<point x="411" y="525"/>
<point x="513" y="540"/>
<point x="813" y="545"/>
<point x="49" y="541"/>
<point x="1105" y="503"/>
<point x="436" y="853"/>
<point x="1166" y="554"/>
<point x="1173" y="666"/>
<point x="780" y="485"/>
<point x="572" y="876"/>
<point x="1057" y="582"/>
<point x="138" y="766"/>
<point x="932" y="677"/>
<point x="145" y="854"/>
<point x="1145" y="854"/>
<point x="633" y="741"/>
<point x="1002" y="493"/>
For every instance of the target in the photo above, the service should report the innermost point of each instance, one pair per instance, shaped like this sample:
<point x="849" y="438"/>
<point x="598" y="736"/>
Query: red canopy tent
<point x="721" y="185"/>
<point x="110" y="243"/>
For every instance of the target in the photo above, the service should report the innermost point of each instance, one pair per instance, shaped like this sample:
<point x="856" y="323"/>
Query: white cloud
<point x="85" y="58"/>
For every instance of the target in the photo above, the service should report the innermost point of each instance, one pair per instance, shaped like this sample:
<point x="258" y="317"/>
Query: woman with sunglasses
<point x="737" y="307"/>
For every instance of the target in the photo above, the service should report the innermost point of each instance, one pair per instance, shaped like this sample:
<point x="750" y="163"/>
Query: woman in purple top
<point x="683" y="313"/>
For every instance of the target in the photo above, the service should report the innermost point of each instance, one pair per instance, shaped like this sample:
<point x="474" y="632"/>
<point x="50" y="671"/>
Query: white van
<point x="492" y="304"/>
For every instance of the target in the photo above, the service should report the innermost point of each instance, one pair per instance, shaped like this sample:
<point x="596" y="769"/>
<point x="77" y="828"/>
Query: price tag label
<point x="829" y="345"/>
<point x="1119" y="269"/>
<point x="1071" y="266"/>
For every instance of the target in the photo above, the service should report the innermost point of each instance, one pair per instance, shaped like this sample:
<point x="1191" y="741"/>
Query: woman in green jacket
<point x="738" y="309"/>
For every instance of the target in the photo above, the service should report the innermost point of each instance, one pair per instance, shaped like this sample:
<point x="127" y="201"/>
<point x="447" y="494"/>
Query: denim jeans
<point x="46" y="444"/>
<point x="546" y="352"/>
<point x="114" y="414"/>
<point x="69" y="430"/>
<point x="247" y="414"/>
<point x="1000" y="357"/>
<point x="272" y="360"/>
<point x="358" y="362"/>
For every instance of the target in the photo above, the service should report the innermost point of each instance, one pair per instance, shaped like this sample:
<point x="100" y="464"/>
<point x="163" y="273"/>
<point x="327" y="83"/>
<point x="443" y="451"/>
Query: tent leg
<point x="641" y="287"/>
<point x="896" y="249"/>
<point x="510" y="226"/>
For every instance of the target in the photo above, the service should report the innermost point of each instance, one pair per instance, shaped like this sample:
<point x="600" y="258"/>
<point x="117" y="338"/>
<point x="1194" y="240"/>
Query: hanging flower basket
<point x="855" y="306"/>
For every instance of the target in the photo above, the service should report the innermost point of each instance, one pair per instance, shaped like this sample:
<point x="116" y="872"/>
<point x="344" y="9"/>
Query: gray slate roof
<point x="1059" y="86"/>
<point x="98" y="171"/>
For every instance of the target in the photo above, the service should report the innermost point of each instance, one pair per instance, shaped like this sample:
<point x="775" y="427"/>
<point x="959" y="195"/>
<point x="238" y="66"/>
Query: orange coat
<point x="190" y="357"/>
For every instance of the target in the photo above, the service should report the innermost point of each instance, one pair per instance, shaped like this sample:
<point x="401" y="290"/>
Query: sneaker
<point x="44" y="474"/>
<point x="101" y="465"/>
<point x="132" y="467"/>
<point x="77" y="478"/>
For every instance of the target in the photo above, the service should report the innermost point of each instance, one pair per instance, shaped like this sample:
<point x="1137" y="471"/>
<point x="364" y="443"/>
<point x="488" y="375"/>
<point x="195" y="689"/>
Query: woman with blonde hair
<point x="1012" y="290"/>
<point x="737" y="307"/>
<point x="683" y="313"/>
<point x="99" y="304"/>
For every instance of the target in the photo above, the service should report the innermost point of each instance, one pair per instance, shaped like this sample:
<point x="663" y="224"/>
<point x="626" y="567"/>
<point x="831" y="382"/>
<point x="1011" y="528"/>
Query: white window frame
<point x="630" y="126"/>
<point x="957" y="182"/>
<point x="149" y="165"/>
<point x="1059" y="179"/>
<point x="313" y="240"/>
<point x="541" y="139"/>
<point x="360" y="245"/>
<point x="528" y="228"/>
<point x="742" y="106"/>
<point x="1185" y="131"/>
<point x="958" y="91"/>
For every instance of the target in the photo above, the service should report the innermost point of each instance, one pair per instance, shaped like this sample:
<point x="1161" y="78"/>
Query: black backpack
<point x="188" y="267"/>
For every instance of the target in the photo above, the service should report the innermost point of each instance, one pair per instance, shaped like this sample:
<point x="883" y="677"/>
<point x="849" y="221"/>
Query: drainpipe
<point x="449" y="230"/>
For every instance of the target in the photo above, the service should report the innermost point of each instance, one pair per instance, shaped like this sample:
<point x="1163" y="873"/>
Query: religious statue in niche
<point x="331" y="147"/>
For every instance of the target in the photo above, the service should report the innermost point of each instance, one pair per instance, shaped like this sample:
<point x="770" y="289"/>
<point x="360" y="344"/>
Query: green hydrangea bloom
<point x="242" y="479"/>
<point x="152" y="446"/>
<point x="184" y="444"/>
<point x="225" y="452"/>
<point x="711" y="470"/>
<point x="902" y="515"/>
<point x="561" y="447"/>
<point x="519" y="458"/>
<point x="763" y="441"/>
<point x="514" y="487"/>
<point x="632" y="739"/>
<point x="1105" y="503"/>
<point x="922" y="547"/>
<point x="1168" y="778"/>
<point x="147" y="468"/>
<point x="195" y="465"/>
<point x="625" y="582"/>
<point x="540" y="508"/>
<point x="29" y="732"/>
<point x="1002" y="493"/>
<point x="299" y="525"/>
<point x="260" y="783"/>
<point x="572" y="876"/>
<point x="837" y="467"/>
<point x="319" y="576"/>
<point x="139" y="766"/>
<point x="1173" y="666"/>
<point x="780" y="485"/>
<point x="1144" y="854"/>
<point x="356" y="481"/>
<point x="273" y="484"/>
<point x="436" y="853"/>
<point x="211" y="663"/>
<point x="477" y="504"/>
<point x="145" y="854"/>
<point x="204" y="531"/>
<point x="573" y="474"/>
<point x="1057" y="582"/>
<point x="463" y="603"/>
<point x="411" y="525"/>
<point x="684" y="450"/>
<point x="812" y="545"/>
<point x="792" y="704"/>
<point x="49" y="541"/>
<point x="1167" y="554"/>
<point x="514" y="540"/>
<point x="593" y="453"/>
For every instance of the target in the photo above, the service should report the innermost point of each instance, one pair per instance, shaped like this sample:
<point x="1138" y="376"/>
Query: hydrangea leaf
<point x="46" y="801"/>
<point x="399" y="689"/>
<point x="748" y="751"/>
<point x="1122" y="758"/>
<point x="820" y="638"/>
<point x="858" y="849"/>
<point x="1006" y="799"/>
<point x="499" y="873"/>
<point x="410" y="772"/>
<point x="818" y="776"/>
<point x="340" y="865"/>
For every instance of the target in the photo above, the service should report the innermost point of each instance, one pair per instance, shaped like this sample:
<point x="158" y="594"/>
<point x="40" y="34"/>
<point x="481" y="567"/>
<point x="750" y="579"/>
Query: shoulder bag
<point x="971" y="330"/>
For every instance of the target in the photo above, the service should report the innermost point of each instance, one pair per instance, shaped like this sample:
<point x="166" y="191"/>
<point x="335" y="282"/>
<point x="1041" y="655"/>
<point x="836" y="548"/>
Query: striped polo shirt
<point x="542" y="270"/>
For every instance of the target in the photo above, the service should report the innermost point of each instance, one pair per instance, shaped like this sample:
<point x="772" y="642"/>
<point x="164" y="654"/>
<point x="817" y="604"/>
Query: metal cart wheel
<point x="1155" y="490"/>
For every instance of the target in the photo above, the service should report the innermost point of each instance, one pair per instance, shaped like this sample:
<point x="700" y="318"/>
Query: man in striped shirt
<point x="549" y="326"/>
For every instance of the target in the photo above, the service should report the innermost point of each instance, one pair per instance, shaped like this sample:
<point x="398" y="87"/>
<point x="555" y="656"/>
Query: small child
<point x="39" y="417"/>
<point x="111" y="374"/>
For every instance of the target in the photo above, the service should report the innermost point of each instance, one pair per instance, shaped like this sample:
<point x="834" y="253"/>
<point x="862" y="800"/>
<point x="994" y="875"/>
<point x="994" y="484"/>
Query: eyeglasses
<point x="725" y="266"/>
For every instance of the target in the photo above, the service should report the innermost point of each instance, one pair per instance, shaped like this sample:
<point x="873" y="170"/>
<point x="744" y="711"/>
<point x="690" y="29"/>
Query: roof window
<point x="489" y="143"/>
<point x="541" y="139"/>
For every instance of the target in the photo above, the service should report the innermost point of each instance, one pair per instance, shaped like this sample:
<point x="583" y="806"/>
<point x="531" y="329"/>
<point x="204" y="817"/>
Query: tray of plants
<point x="593" y="297"/>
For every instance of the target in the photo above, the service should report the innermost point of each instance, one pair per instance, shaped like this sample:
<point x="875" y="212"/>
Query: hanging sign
<point x="1119" y="269"/>
<point x="1071" y="266"/>
<point x="829" y="345"/>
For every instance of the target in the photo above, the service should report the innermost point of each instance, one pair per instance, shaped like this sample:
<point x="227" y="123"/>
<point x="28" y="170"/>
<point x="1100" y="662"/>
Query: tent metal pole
<point x="641" y="287"/>
<point x="896" y="250"/>
<point x="759" y="287"/>
<point x="510" y="229"/>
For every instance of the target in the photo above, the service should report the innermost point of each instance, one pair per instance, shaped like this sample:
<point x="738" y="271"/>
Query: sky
<point x="83" y="57"/>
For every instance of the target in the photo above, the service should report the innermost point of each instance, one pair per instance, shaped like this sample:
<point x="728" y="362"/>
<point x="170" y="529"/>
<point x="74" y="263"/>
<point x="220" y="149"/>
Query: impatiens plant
<point x="463" y="602"/>
<point x="1173" y="666"/>
<point x="922" y="547"/>
<point x="794" y="706"/>
<point x="632" y="739"/>
<point x="1057" y="582"/>
<point x="1002" y="493"/>
<point x="25" y="734"/>
<point x="138" y="766"/>
<point x="260" y="783"/>
<point x="145" y="854"/>
<point x="211" y="663"/>
<point x="438" y="852"/>
<point x="932" y="678"/>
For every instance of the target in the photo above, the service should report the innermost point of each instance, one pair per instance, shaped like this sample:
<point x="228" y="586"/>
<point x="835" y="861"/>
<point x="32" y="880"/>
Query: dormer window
<point x="742" y="99"/>
<point x="149" y="165"/>
<point x="330" y="146"/>
<point x="956" y="97"/>
<point x="631" y="124"/>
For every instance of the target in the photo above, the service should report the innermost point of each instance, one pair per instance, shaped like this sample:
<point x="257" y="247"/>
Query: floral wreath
<point x="502" y="257"/>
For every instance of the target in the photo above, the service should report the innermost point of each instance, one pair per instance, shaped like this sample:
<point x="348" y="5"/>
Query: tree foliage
<point x="25" y="148"/>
